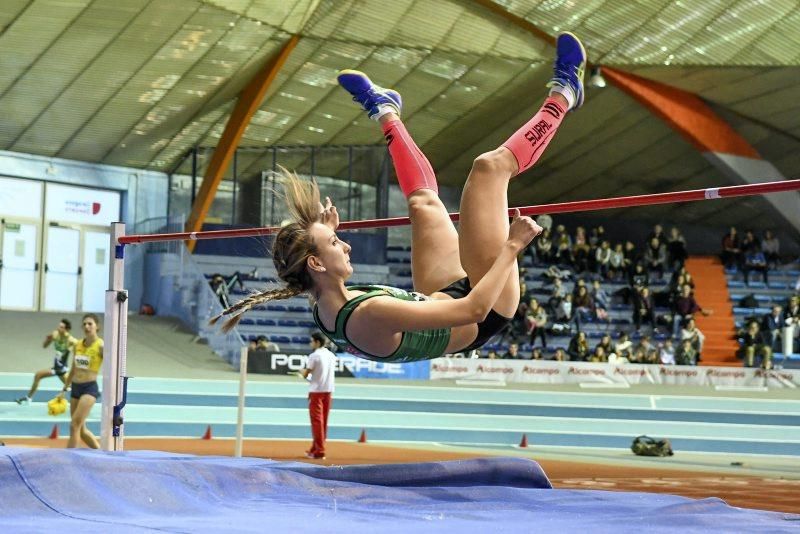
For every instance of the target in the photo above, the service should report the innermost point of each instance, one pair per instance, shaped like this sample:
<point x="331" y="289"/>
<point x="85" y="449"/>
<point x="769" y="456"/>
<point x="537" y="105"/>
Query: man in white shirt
<point x="321" y="366"/>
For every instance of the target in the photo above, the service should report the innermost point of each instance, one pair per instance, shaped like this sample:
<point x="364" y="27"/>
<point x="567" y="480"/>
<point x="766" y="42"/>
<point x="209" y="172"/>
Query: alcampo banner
<point x="551" y="372"/>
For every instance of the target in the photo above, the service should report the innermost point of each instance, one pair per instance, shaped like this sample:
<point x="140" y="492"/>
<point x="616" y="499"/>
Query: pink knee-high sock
<point x="413" y="169"/>
<point x="528" y="143"/>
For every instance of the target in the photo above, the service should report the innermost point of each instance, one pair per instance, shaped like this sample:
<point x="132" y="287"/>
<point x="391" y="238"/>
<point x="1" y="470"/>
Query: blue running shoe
<point x="375" y="100"/>
<point x="569" y="66"/>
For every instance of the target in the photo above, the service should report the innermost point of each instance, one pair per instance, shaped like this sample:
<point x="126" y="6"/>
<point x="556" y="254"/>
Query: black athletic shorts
<point x="490" y="327"/>
<point x="87" y="388"/>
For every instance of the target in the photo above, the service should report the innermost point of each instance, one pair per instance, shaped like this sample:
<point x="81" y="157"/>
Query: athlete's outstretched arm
<point x="405" y="315"/>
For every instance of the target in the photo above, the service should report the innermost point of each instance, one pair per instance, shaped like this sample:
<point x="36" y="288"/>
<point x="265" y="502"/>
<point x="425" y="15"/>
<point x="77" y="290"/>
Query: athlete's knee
<point x="422" y="200"/>
<point x="76" y="425"/>
<point x="494" y="163"/>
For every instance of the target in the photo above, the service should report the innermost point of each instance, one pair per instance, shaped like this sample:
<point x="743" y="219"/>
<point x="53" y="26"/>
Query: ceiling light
<point x="596" y="78"/>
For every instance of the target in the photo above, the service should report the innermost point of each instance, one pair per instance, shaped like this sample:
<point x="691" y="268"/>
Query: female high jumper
<point x="466" y="282"/>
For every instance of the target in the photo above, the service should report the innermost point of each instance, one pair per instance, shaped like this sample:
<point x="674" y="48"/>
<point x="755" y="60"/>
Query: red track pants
<point x="319" y="404"/>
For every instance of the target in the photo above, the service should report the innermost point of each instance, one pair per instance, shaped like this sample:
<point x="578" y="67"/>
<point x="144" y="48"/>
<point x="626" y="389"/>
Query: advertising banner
<point x="347" y="365"/>
<point x="67" y="204"/>
<point x="551" y="372"/>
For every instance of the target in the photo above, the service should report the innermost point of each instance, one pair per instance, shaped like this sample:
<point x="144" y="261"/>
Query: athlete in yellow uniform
<point x="63" y="342"/>
<point x="82" y="377"/>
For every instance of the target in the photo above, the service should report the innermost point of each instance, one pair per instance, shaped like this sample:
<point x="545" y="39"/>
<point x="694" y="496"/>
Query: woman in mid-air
<point x="467" y="282"/>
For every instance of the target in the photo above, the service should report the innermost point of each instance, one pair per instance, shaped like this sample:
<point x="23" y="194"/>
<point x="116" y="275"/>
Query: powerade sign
<point x="347" y="365"/>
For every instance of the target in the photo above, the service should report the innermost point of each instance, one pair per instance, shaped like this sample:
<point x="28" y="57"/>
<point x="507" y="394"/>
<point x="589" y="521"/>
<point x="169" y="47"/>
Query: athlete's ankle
<point x="388" y="117"/>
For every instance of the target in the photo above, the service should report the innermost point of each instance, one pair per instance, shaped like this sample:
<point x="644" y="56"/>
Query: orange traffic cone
<point x="54" y="432"/>
<point x="524" y="442"/>
<point x="207" y="435"/>
<point x="363" y="437"/>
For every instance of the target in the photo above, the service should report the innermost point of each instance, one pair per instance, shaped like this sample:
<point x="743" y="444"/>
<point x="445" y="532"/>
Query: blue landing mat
<point x="89" y="491"/>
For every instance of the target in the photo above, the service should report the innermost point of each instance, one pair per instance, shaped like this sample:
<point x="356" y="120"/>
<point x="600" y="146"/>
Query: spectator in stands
<point x="792" y="321"/>
<point x="616" y="265"/>
<point x="599" y="355"/>
<point x="632" y="256"/>
<point x="536" y="354"/>
<point x="580" y="250"/>
<point x="545" y="221"/>
<point x="685" y="307"/>
<point x="513" y="352"/>
<point x="623" y="350"/>
<point x="666" y="352"/>
<point x="544" y="248"/>
<point x="693" y="334"/>
<point x="772" y="325"/>
<point x="750" y="242"/>
<point x="221" y="286"/>
<point x="731" y="250"/>
<point x="754" y="260"/>
<point x="601" y="301"/>
<point x="655" y="257"/>
<point x="658" y="233"/>
<point x="321" y="365"/>
<point x="638" y="277"/>
<point x="597" y="236"/>
<point x="686" y="354"/>
<point x="648" y="352"/>
<point x="676" y="249"/>
<point x="578" y="348"/>
<point x="251" y="346"/>
<point x="565" y="313"/>
<point x="643" y="309"/>
<point x="754" y="344"/>
<point x="262" y="343"/>
<point x="602" y="259"/>
<point x="562" y="243"/>
<point x="771" y="248"/>
<point x="536" y="322"/>
<point x="557" y="294"/>
<point x="584" y="307"/>
<point x="606" y="344"/>
<point x="559" y="355"/>
<point x="681" y="277"/>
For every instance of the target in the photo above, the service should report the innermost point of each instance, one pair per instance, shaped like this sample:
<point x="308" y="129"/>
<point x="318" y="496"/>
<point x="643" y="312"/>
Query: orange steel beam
<point x="684" y="112"/>
<point x="249" y="101"/>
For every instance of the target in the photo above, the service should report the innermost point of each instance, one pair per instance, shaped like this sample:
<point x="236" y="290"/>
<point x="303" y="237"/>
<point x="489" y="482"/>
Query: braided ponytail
<point x="292" y="246"/>
<point x="244" y="305"/>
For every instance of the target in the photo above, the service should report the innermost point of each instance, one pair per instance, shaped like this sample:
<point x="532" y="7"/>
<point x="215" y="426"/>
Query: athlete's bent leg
<point x="435" y="261"/>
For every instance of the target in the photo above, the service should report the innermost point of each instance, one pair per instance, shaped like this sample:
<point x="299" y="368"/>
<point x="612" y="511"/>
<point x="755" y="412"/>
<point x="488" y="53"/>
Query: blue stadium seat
<point x="247" y="322"/>
<point x="287" y="323"/>
<point x="276" y="307"/>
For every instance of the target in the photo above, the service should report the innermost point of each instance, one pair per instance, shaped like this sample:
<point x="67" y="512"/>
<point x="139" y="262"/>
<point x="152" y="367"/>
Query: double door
<point x="75" y="273"/>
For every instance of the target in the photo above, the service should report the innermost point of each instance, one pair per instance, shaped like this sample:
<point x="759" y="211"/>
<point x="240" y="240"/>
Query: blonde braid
<point x="246" y="304"/>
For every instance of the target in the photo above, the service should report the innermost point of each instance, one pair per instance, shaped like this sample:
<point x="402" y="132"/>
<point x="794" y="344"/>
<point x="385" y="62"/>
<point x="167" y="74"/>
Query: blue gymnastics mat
<point x="90" y="491"/>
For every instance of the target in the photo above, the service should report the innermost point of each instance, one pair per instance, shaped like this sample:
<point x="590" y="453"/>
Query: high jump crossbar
<point x="114" y="374"/>
<point x="711" y="193"/>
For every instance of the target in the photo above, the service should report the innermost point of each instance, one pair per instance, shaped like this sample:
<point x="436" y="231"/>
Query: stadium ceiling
<point x="139" y="82"/>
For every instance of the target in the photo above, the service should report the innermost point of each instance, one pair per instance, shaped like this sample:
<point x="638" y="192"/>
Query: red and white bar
<point x="711" y="193"/>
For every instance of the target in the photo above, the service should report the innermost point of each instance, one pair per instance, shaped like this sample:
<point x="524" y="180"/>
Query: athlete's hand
<point x="330" y="217"/>
<point x="522" y="231"/>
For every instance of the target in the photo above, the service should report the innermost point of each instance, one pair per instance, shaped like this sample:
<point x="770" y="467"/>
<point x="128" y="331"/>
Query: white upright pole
<point x="115" y="341"/>
<point x="240" y="412"/>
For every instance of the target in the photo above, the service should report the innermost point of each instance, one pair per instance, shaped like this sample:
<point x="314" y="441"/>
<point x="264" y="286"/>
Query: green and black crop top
<point x="414" y="346"/>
